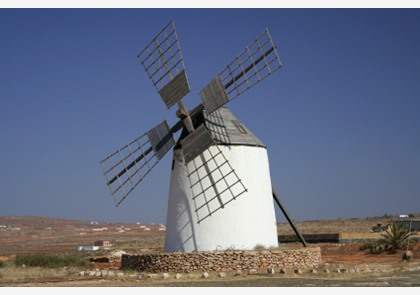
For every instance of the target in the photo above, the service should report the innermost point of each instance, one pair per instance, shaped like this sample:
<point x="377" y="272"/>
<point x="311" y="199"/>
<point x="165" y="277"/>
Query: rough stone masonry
<point x="182" y="262"/>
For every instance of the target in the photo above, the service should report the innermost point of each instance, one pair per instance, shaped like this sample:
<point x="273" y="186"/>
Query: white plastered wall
<point x="244" y="223"/>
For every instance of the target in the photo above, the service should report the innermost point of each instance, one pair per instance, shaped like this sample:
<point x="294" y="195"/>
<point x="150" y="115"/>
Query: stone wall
<point x="181" y="262"/>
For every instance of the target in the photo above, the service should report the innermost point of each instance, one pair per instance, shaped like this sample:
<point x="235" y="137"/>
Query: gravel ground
<point x="376" y="275"/>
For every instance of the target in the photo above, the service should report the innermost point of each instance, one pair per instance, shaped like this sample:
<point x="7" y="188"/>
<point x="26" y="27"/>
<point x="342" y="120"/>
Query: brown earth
<point x="50" y="235"/>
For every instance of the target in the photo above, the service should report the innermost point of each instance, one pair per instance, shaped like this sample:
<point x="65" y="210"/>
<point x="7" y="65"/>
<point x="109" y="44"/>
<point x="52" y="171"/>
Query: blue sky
<point x="341" y="119"/>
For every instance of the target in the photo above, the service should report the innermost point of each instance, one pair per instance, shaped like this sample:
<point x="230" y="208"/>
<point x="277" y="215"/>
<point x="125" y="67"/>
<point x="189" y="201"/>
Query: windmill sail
<point x="161" y="139"/>
<point x="128" y="166"/>
<point x="259" y="60"/>
<point x="163" y="62"/>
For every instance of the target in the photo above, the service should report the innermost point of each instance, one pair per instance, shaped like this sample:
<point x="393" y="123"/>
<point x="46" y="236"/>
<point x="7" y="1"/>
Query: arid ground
<point x="343" y="264"/>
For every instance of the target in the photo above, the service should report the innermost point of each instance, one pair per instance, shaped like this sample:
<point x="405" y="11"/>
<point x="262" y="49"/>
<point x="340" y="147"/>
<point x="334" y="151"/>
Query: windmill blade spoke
<point x="161" y="139"/>
<point x="214" y="95"/>
<point x="259" y="60"/>
<point x="213" y="182"/>
<point x="128" y="166"/>
<point x="196" y="143"/>
<point x="163" y="62"/>
<point x="175" y="90"/>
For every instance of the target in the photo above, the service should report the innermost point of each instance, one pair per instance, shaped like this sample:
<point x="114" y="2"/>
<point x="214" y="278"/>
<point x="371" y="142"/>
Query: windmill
<point x="220" y="194"/>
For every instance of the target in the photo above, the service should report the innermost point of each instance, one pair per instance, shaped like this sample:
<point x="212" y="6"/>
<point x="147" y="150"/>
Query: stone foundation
<point x="182" y="262"/>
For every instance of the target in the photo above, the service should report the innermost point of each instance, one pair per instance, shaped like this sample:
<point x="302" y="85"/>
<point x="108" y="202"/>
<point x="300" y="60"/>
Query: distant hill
<point x="41" y="222"/>
<point x="305" y="227"/>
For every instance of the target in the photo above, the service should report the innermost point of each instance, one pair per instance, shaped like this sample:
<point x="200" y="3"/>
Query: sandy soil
<point x="343" y="264"/>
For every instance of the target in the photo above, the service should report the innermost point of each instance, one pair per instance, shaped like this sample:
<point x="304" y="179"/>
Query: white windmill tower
<point x="220" y="194"/>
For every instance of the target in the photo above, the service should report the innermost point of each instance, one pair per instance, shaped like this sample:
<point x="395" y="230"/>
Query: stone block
<point x="104" y="272"/>
<point x="165" y="276"/>
<point x="150" y="276"/>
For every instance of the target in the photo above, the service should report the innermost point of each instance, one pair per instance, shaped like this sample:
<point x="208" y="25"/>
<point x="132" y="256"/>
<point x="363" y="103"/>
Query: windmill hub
<point x="220" y="194"/>
<point x="182" y="114"/>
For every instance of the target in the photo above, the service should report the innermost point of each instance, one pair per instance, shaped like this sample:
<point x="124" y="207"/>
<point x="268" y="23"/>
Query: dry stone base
<point x="222" y="261"/>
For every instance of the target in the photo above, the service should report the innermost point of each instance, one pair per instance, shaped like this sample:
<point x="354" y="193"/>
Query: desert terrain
<point x="343" y="264"/>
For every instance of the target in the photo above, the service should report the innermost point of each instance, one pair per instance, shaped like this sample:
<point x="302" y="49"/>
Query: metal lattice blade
<point x="213" y="182"/>
<point x="196" y="143"/>
<point x="128" y="166"/>
<point x="259" y="60"/>
<point x="162" y="60"/>
<point x="161" y="139"/>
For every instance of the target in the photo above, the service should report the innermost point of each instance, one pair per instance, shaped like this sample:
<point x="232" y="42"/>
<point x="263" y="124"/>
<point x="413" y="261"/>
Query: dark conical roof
<point x="224" y="127"/>
<point x="220" y="127"/>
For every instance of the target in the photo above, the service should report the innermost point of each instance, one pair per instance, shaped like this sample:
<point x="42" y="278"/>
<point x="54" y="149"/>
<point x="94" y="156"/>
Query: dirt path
<point x="377" y="275"/>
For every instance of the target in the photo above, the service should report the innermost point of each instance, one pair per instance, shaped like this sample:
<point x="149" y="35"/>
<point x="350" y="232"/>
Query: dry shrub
<point x="11" y="272"/>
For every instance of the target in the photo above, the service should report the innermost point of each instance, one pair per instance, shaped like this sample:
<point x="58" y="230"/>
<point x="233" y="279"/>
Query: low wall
<point x="347" y="237"/>
<point x="311" y="238"/>
<point x="180" y="262"/>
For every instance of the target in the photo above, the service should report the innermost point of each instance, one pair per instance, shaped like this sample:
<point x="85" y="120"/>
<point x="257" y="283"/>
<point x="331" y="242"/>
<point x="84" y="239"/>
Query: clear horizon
<point x="279" y="222"/>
